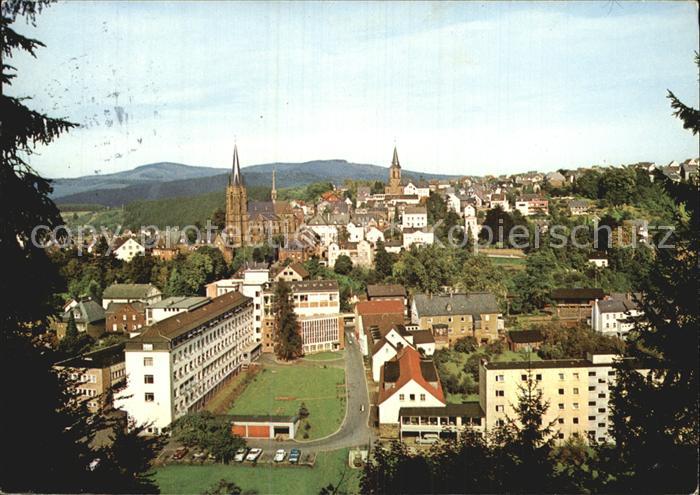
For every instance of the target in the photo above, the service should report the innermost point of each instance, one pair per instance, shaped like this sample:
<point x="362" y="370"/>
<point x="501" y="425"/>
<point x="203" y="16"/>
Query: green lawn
<point x="280" y="390"/>
<point x="324" y="356"/>
<point x="508" y="356"/>
<point x="264" y="478"/>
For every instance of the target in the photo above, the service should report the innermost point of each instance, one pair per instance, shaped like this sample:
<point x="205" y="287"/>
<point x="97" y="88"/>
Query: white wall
<point x="389" y="409"/>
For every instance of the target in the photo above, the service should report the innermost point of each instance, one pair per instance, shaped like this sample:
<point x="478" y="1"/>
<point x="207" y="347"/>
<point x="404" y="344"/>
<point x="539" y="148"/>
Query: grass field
<point x="324" y="356"/>
<point x="263" y="479"/>
<point x="280" y="390"/>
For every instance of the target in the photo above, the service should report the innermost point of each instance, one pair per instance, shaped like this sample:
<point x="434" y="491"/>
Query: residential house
<point x="417" y="188"/>
<point x="360" y="253"/>
<point x="615" y="316"/>
<point x="454" y="316"/>
<point x="373" y="235"/>
<point x="373" y="319"/>
<point x="127" y="318"/>
<point x="414" y="217"/>
<point x="689" y="169"/>
<point x="388" y="292"/>
<point x="445" y="422"/>
<point x="89" y="318"/>
<point x="294" y="272"/>
<point x="499" y="200"/>
<point x="176" y="365"/>
<point x="531" y="204"/>
<point x="555" y="179"/>
<point x="127" y="249"/>
<point x="94" y="375"/>
<point x="126" y="293"/>
<point x="419" y="237"/>
<point x="408" y="381"/>
<point x="387" y="345"/>
<point x="578" y="207"/>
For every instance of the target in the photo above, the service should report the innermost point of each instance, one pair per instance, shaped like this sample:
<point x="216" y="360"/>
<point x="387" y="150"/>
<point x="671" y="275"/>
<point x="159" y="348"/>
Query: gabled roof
<point x="473" y="303"/>
<point x="406" y="367"/>
<point x="128" y="291"/>
<point x="525" y="336"/>
<point x="115" y="307"/>
<point x="181" y="302"/>
<point x="85" y="311"/>
<point x="422" y="337"/>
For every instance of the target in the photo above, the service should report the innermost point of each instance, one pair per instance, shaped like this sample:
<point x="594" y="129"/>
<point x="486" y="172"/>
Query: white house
<point x="361" y="253"/>
<point x="615" y="316"/>
<point x="469" y="211"/>
<point x="355" y="232"/>
<point x="598" y="261"/>
<point x="126" y="250"/>
<point x="386" y="349"/>
<point x="408" y="381"/>
<point x="373" y="234"/>
<point x="420" y="189"/>
<point x="126" y="293"/>
<point x="414" y="217"/>
<point x="420" y="237"/>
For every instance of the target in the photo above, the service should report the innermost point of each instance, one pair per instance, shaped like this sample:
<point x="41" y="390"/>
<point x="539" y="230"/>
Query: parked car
<point x="279" y="455"/>
<point x="240" y="454"/>
<point x="253" y="455"/>
<point x="180" y="453"/>
<point x="294" y="456"/>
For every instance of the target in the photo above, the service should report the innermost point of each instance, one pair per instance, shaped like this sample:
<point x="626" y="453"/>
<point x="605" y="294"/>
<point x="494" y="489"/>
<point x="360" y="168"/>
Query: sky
<point x="460" y="88"/>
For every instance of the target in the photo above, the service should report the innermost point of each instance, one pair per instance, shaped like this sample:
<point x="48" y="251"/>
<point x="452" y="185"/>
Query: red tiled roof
<point x="379" y="307"/>
<point x="410" y="369"/>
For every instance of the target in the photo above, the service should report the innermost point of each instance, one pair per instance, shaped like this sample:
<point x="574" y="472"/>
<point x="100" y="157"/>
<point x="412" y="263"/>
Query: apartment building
<point x="317" y="306"/>
<point x="454" y="316"/>
<point x="95" y="374"/>
<point x="578" y="392"/>
<point x="414" y="217"/>
<point x="177" y="364"/>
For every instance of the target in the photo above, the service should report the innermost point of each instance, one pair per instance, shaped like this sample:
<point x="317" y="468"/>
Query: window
<point x="601" y="425"/>
<point x="124" y="317"/>
<point x="561" y="376"/>
<point x="149" y="397"/>
<point x="402" y="396"/>
<point x="575" y="390"/>
<point x="560" y="435"/>
<point x="561" y="391"/>
<point x="538" y="377"/>
<point x="575" y="421"/>
<point x="147" y="378"/>
<point x="499" y="378"/>
<point x="500" y="422"/>
<point x="148" y="361"/>
<point x="591" y="418"/>
<point x="561" y="421"/>
<point x="591" y="403"/>
<point x="422" y="396"/>
<point x="591" y="373"/>
<point x="575" y="376"/>
<point x="561" y="406"/>
<point x="601" y="396"/>
<point x="412" y="397"/>
<point x="611" y="373"/>
<point x="575" y="405"/>
<point x="523" y="378"/>
<point x="591" y="388"/>
<point x="500" y="408"/>
<point x="601" y="409"/>
<point x="500" y="393"/>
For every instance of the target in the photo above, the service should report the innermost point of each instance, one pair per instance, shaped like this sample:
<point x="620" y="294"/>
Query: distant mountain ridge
<point x="169" y="180"/>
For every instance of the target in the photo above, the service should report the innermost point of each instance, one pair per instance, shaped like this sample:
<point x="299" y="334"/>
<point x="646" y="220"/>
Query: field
<point x="263" y="479"/>
<point x="280" y="390"/>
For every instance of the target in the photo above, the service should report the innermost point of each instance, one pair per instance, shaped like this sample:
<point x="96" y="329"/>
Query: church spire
<point x="395" y="159"/>
<point x="273" y="192"/>
<point x="237" y="179"/>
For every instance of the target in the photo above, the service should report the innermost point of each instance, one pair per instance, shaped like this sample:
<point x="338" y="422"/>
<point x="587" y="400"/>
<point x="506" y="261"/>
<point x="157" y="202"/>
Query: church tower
<point x="273" y="192"/>
<point x="394" y="186"/>
<point x="236" y="205"/>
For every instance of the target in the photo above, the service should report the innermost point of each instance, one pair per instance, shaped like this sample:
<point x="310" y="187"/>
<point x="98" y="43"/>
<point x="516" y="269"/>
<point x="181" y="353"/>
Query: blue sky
<point x="462" y="88"/>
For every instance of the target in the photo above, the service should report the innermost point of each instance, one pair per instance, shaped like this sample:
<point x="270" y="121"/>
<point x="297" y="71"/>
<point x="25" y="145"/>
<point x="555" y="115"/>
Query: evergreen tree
<point x="47" y="435"/>
<point x="343" y="265"/>
<point x="288" y="344"/>
<point x="383" y="261"/>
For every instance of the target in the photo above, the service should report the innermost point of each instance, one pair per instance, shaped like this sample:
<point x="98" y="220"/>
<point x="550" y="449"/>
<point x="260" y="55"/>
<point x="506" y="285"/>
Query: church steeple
<point x="273" y="192"/>
<point x="395" y="159"/>
<point x="237" y="178"/>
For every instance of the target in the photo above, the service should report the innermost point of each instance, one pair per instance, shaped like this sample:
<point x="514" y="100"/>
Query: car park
<point x="253" y="455"/>
<point x="240" y="455"/>
<point x="294" y="456"/>
<point x="279" y="455"/>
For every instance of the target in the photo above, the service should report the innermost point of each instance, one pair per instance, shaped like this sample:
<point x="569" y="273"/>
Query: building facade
<point x="394" y="186"/>
<point x="177" y="364"/>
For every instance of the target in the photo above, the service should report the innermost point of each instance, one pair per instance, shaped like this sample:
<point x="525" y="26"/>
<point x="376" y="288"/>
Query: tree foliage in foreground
<point x="288" y="344"/>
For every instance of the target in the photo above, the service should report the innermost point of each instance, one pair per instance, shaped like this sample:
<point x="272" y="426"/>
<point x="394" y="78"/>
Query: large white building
<point x="172" y="306"/>
<point x="177" y="364"/>
<point x="414" y="217"/>
<point x="127" y="250"/>
<point x="577" y="390"/>
<point x="255" y="277"/>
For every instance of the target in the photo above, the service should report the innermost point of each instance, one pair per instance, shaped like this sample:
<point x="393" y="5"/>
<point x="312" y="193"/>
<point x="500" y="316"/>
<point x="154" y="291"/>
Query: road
<point x="354" y="430"/>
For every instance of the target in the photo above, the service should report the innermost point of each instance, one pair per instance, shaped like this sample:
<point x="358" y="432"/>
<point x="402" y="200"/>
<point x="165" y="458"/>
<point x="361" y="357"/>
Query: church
<point x="250" y="223"/>
<point x="395" y="187"/>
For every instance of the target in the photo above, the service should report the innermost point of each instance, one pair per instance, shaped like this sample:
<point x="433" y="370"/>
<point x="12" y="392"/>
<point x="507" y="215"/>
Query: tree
<point x="51" y="435"/>
<point x="288" y="344"/>
<point x="617" y="186"/>
<point x="224" y="487"/>
<point x="218" y="219"/>
<point x="208" y="432"/>
<point x="383" y="261"/>
<point x="343" y="265"/>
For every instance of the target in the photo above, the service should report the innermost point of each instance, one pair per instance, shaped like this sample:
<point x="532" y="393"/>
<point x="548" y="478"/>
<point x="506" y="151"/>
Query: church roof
<point x="395" y="159"/>
<point x="237" y="177"/>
